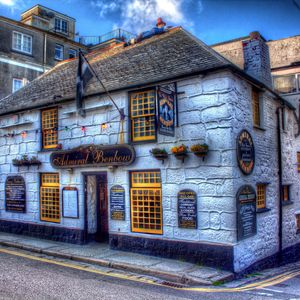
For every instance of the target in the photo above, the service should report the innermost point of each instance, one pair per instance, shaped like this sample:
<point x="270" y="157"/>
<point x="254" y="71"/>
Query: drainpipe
<point x="280" y="180"/>
<point x="45" y="51"/>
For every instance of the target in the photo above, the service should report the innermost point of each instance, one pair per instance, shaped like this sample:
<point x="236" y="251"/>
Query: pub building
<point x="201" y="168"/>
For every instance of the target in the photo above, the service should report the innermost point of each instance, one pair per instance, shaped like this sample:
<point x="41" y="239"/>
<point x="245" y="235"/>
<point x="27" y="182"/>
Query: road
<point x="25" y="275"/>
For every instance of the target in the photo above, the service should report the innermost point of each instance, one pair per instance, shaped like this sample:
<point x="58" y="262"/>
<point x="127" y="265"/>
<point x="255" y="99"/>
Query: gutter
<point x="279" y="153"/>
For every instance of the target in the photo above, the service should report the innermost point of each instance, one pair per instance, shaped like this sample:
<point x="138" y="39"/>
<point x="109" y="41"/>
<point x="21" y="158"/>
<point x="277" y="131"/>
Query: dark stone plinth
<point x="54" y="233"/>
<point x="209" y="254"/>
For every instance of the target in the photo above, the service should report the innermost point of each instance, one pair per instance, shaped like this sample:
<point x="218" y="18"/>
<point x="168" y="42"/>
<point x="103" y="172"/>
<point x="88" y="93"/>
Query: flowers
<point x="26" y="161"/>
<point x="182" y="149"/>
<point x="199" y="148"/>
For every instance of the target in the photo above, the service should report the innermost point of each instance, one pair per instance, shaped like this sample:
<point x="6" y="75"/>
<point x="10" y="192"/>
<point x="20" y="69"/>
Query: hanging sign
<point x="15" y="194"/>
<point x="245" y="152"/>
<point x="166" y="96"/>
<point x="246" y="212"/>
<point x="187" y="209"/>
<point x="117" y="203"/>
<point x="70" y="202"/>
<point x="85" y="156"/>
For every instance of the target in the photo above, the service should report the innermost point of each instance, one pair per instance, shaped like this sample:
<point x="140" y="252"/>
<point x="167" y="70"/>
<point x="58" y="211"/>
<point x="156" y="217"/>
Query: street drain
<point x="173" y="284"/>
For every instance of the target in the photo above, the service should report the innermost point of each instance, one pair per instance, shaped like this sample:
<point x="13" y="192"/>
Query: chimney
<point x="257" y="59"/>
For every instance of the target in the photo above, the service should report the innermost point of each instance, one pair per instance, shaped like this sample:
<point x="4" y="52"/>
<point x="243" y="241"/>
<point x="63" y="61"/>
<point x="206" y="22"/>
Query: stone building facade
<point x="141" y="205"/>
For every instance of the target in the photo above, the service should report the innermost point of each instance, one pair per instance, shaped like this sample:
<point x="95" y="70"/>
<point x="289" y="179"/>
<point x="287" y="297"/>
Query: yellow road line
<point x="257" y="285"/>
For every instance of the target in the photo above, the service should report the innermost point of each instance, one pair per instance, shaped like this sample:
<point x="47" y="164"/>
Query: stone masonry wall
<point x="204" y="116"/>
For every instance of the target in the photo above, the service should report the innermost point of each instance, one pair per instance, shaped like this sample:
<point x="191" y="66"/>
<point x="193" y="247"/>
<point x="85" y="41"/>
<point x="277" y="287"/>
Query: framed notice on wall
<point x="15" y="194"/>
<point x="187" y="209"/>
<point x="246" y="212"/>
<point x="117" y="203"/>
<point x="70" y="202"/>
<point x="167" y="109"/>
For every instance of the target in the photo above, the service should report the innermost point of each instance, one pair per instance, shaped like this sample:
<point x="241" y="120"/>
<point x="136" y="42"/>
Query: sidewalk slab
<point x="101" y="254"/>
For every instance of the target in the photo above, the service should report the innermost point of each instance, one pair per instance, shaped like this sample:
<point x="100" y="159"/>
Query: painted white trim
<point x="23" y="65"/>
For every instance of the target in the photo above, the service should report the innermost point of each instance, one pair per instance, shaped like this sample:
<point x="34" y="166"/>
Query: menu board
<point x="246" y="212"/>
<point x="187" y="209"/>
<point x="70" y="202"/>
<point x="117" y="203"/>
<point x="15" y="194"/>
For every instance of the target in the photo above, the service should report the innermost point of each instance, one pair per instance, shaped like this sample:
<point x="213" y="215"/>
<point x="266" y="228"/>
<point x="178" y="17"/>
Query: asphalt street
<point x="25" y="275"/>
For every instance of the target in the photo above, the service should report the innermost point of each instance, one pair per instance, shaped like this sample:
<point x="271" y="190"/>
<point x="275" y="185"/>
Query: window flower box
<point x="26" y="161"/>
<point x="159" y="154"/>
<point x="180" y="152"/>
<point x="200" y="150"/>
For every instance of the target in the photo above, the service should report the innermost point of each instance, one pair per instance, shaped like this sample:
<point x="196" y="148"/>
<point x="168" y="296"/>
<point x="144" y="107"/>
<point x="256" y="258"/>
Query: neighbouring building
<point x="229" y="200"/>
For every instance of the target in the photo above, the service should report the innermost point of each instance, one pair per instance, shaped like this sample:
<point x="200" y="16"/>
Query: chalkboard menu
<point x="117" y="203"/>
<point x="70" y="202"/>
<point x="187" y="209"/>
<point x="245" y="152"/>
<point x="246" y="212"/>
<point x="15" y="194"/>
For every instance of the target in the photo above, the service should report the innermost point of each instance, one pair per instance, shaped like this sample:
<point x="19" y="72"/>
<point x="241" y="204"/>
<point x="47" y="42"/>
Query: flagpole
<point x="121" y="112"/>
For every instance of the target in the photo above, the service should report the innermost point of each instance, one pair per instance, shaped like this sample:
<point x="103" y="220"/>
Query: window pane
<point x="261" y="196"/>
<point x="72" y="53"/>
<point x="49" y="128"/>
<point x="27" y="43"/>
<point x="256" y="107"/>
<point x="59" y="51"/>
<point x="146" y="202"/>
<point x="285" y="84"/>
<point x="17" y="41"/>
<point x="17" y="84"/>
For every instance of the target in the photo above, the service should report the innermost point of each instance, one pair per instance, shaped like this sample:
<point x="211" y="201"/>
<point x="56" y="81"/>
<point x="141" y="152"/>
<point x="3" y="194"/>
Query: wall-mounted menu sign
<point x="166" y="96"/>
<point x="246" y="212"/>
<point x="187" y="209"/>
<point x="117" y="203"/>
<point x="84" y="156"/>
<point x="245" y="152"/>
<point x="15" y="194"/>
<point x="70" y="202"/>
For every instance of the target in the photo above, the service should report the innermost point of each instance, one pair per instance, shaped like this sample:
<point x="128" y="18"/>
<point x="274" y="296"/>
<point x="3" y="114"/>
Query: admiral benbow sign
<point x="245" y="152"/>
<point x="85" y="156"/>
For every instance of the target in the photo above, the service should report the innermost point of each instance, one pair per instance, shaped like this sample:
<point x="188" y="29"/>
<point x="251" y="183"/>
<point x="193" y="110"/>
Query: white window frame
<point x="22" y="42"/>
<point x="17" y="80"/>
<point x="60" y="27"/>
<point x="62" y="52"/>
<point x="74" y="52"/>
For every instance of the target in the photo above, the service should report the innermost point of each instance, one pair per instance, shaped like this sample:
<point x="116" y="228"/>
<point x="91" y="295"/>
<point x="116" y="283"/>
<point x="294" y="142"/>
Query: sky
<point x="212" y="21"/>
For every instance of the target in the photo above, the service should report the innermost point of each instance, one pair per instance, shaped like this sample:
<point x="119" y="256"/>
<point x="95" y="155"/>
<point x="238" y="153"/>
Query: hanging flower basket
<point x="200" y="150"/>
<point x="180" y="152"/>
<point x="159" y="154"/>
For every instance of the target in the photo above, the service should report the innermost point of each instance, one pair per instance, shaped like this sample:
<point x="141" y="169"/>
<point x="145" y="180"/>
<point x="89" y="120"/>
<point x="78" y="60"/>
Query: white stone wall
<point x="204" y="116"/>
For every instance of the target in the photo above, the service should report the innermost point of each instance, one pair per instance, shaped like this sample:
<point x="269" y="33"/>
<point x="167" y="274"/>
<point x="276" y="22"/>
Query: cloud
<point x="14" y="4"/>
<point x="8" y="2"/>
<point x="141" y="15"/>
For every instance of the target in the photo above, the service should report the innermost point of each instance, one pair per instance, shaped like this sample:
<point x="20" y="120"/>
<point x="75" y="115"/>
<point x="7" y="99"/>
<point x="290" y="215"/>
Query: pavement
<point x="100" y="254"/>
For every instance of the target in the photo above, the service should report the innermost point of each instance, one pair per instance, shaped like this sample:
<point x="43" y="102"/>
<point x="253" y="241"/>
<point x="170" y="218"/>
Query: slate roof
<point x="170" y="55"/>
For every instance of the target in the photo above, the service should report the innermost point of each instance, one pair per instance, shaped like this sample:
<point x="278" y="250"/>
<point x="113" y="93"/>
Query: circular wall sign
<point x="245" y="152"/>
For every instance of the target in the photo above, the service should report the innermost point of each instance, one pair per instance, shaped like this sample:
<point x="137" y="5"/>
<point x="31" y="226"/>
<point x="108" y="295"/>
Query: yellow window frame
<point x="49" y="128"/>
<point x="256" y="107"/>
<point x="142" y="112"/>
<point x="298" y="162"/>
<point x="50" y="197"/>
<point x="286" y="193"/>
<point x="261" y="196"/>
<point x="298" y="221"/>
<point x="146" y="202"/>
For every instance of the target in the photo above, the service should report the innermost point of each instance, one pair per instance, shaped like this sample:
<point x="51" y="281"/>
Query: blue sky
<point x="212" y="21"/>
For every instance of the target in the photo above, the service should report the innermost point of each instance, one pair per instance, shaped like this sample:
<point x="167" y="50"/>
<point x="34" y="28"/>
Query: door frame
<point x="85" y="175"/>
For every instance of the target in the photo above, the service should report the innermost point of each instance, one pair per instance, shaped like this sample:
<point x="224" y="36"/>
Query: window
<point x="255" y="107"/>
<point x="22" y="42"/>
<point x="286" y="84"/>
<point x="142" y="107"/>
<point x="72" y="53"/>
<point x="146" y="203"/>
<point x="17" y="84"/>
<point x="61" y="25"/>
<point x="261" y="196"/>
<point x="298" y="162"/>
<point x="49" y="128"/>
<point x="49" y="197"/>
<point x="298" y="223"/>
<point x="286" y="193"/>
<point x="59" y="52"/>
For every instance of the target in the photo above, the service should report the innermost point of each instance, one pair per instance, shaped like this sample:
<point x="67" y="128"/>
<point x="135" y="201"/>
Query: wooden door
<point x="103" y="208"/>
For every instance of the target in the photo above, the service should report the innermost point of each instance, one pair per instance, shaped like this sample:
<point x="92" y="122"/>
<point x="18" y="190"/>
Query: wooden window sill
<point x="262" y="210"/>
<point x="286" y="203"/>
<point x="259" y="128"/>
